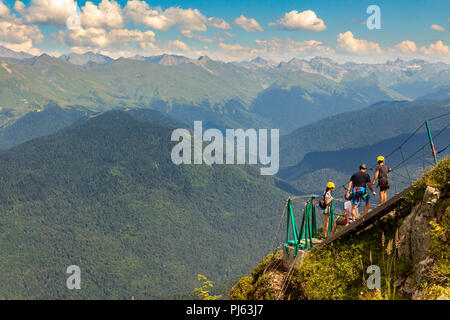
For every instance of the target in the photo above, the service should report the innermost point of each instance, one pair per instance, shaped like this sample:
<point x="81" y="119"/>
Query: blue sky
<point x="276" y="30"/>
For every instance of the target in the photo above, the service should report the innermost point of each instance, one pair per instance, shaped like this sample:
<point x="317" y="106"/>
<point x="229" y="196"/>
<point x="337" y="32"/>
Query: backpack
<point x="322" y="203"/>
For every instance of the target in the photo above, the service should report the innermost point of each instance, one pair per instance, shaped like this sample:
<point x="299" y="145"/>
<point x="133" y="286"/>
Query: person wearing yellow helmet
<point x="327" y="198"/>
<point x="381" y="173"/>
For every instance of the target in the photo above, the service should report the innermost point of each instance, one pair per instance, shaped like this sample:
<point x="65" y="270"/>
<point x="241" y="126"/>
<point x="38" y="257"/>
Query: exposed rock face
<point x="423" y="271"/>
<point x="416" y="230"/>
<point x="288" y="261"/>
<point x="416" y="227"/>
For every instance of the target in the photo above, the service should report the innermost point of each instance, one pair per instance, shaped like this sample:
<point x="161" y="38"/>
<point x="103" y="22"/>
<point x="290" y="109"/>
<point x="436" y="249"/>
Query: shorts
<point x="348" y="206"/>
<point x="383" y="187"/>
<point x="360" y="193"/>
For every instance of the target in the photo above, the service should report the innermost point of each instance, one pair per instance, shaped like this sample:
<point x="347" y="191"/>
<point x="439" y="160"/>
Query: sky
<point x="231" y="30"/>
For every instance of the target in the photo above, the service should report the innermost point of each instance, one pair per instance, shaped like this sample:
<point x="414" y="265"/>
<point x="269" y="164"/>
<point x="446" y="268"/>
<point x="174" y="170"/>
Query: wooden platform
<point x="368" y="219"/>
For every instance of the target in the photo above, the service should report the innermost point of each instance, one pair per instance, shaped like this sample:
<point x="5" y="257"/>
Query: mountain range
<point x="253" y="94"/>
<point x="86" y="176"/>
<point x="85" y="59"/>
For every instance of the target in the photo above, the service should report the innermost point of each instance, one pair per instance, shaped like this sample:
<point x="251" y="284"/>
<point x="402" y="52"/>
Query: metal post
<point x="433" y="150"/>
<point x="313" y="218"/>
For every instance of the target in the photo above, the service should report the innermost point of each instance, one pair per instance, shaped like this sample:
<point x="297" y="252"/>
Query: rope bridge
<point x="300" y="238"/>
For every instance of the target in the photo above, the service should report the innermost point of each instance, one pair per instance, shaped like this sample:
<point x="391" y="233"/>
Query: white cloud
<point x="248" y="24"/>
<point x="232" y="47"/>
<point x="188" y="19"/>
<point x="437" y="27"/>
<point x="19" y="37"/>
<point x="141" y="13"/>
<point x="54" y="12"/>
<point x="178" y="45"/>
<point x="231" y="52"/>
<point x="348" y="43"/>
<point x="4" y="10"/>
<point x="305" y="20"/>
<point x="19" y="6"/>
<point x="26" y="46"/>
<point x="99" y="38"/>
<point x="107" y="14"/>
<point x="406" y="46"/>
<point x="228" y="34"/>
<point x="191" y="35"/>
<point x="437" y="48"/>
<point x="275" y="49"/>
<point x="285" y="49"/>
<point x="188" y="33"/>
<point x="409" y="47"/>
<point x="17" y="33"/>
<point x="218" y="23"/>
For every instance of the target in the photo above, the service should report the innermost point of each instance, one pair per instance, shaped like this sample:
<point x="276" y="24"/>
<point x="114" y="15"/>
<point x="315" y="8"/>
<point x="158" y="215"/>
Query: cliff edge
<point x="410" y="247"/>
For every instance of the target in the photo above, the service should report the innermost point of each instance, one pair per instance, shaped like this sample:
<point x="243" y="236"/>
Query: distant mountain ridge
<point x="10" y="54"/>
<point x="86" y="58"/>
<point x="320" y="65"/>
<point x="249" y="94"/>
<point x="52" y="118"/>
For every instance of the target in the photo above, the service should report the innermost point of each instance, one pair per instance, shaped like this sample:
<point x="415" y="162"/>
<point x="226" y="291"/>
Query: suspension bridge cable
<point x="435" y="136"/>
<point x="406" y="167"/>
<point x="399" y="146"/>
<point x="413" y="133"/>
<point x="409" y="137"/>
<point x="413" y="154"/>
<point x="442" y="150"/>
<point x="406" y="140"/>
<point x="396" y="174"/>
<point x="441" y="116"/>
<point x="402" y="163"/>
<point x="401" y="175"/>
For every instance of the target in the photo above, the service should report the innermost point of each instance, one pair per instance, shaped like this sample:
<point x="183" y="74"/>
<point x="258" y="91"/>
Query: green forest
<point x="104" y="195"/>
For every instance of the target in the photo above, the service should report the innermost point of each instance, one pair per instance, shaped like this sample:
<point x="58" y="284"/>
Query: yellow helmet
<point x="330" y="185"/>
<point x="380" y="159"/>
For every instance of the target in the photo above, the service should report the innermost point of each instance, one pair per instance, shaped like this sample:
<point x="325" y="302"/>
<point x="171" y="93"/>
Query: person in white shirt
<point x="326" y="212"/>
<point x="348" y="212"/>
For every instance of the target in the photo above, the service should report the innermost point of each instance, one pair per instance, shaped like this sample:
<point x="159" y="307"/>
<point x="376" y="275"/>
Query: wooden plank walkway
<point x="368" y="219"/>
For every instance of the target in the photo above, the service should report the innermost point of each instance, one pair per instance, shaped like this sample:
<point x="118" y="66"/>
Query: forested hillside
<point x="104" y="195"/>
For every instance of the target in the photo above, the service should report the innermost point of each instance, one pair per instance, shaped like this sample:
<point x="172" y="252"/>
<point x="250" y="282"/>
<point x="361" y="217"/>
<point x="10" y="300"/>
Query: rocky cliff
<point x="409" y="245"/>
